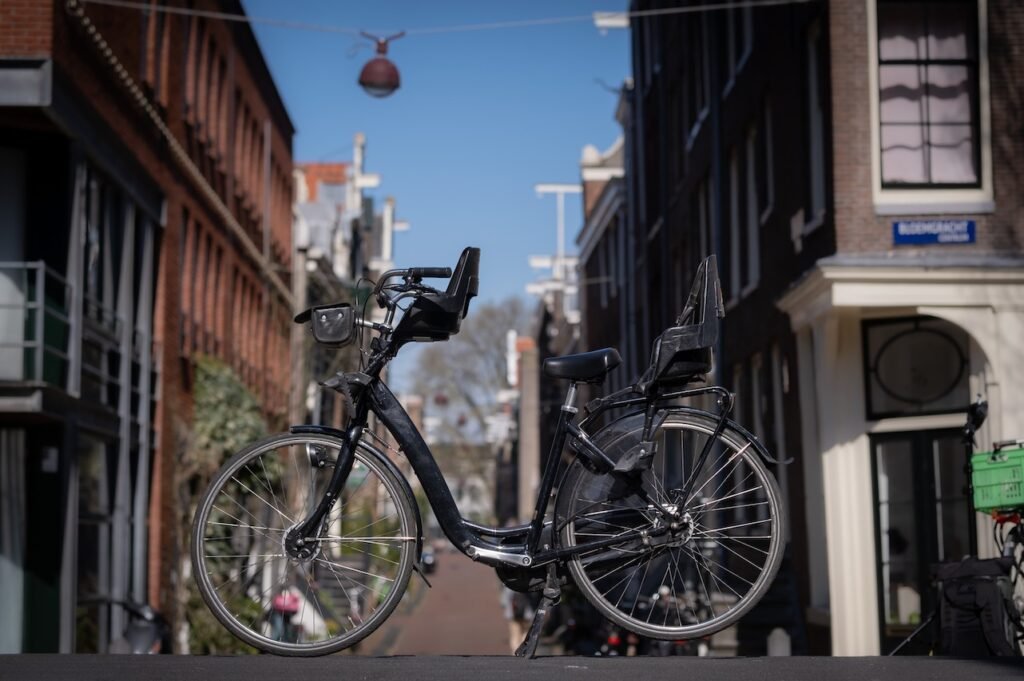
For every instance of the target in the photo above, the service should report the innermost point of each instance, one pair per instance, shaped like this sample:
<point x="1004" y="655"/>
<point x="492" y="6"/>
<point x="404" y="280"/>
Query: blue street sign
<point x="917" y="232"/>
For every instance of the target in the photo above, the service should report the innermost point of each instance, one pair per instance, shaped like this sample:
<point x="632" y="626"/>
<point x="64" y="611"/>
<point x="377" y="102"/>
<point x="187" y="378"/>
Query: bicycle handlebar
<point x="430" y="272"/>
<point x="409" y="273"/>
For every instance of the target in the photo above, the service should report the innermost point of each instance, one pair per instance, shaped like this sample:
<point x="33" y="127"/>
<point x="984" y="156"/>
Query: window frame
<point x="932" y="199"/>
<point x="971" y="63"/>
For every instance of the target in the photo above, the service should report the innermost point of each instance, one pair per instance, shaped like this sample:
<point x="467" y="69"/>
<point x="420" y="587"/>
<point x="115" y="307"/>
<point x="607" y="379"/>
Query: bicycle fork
<point x="296" y="540"/>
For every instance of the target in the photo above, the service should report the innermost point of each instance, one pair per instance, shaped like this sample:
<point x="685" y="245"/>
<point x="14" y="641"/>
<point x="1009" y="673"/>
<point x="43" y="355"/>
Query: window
<point x="701" y="218"/>
<point x="753" y="219"/>
<point x="921" y="518"/>
<point x="743" y="242"/>
<point x="739" y="31"/>
<point x="928" y="101"/>
<point x="697" y="76"/>
<point x="734" y="227"/>
<point x="763" y="160"/>
<point x="815" y="197"/>
<point x="914" y="366"/>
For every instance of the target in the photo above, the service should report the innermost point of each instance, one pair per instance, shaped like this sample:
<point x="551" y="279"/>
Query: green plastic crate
<point x="998" y="479"/>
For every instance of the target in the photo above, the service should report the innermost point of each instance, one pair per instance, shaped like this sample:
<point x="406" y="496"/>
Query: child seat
<point x="437" y="316"/>
<point x="682" y="353"/>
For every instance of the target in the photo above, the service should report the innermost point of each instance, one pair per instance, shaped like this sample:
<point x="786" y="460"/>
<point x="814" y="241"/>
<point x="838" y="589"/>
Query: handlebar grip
<point x="431" y="272"/>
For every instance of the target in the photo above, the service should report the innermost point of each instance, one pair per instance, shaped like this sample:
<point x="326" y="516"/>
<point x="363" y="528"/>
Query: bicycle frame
<point x="484" y="544"/>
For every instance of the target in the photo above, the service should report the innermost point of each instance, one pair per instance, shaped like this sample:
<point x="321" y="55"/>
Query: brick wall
<point x="25" y="28"/>
<point x="315" y="173"/>
<point x="858" y="229"/>
<point x="211" y="296"/>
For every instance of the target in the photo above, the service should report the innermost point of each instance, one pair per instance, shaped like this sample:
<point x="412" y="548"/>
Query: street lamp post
<point x="559" y="190"/>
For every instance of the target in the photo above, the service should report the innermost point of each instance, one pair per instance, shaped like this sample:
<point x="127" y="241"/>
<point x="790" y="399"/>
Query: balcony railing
<point x="51" y="333"/>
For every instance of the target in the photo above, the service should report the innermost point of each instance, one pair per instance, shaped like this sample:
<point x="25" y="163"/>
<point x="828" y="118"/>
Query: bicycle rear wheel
<point x="691" y="580"/>
<point x="330" y="599"/>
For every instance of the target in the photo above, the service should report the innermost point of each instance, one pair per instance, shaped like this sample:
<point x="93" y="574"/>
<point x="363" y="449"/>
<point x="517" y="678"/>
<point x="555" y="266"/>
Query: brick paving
<point x="460" y="615"/>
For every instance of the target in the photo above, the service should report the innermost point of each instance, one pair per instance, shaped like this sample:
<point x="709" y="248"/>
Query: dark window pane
<point x="899" y="532"/>
<point x="915" y="366"/>
<point x="92" y="478"/>
<point x="901" y="30"/>
<point x="951" y="32"/>
<point x="951" y="504"/>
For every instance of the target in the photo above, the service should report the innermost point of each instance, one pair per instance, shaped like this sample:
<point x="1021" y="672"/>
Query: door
<point x="921" y="518"/>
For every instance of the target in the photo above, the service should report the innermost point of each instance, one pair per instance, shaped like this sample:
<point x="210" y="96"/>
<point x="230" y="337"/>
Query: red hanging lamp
<point x="379" y="76"/>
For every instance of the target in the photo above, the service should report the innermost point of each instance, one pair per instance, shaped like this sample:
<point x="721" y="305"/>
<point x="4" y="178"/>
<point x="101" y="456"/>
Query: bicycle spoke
<point x="268" y="504"/>
<point x="695" y="577"/>
<point x="245" y="567"/>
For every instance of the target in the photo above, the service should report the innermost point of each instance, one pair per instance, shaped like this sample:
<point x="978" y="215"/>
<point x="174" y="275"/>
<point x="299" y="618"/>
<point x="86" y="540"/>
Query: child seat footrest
<point x="638" y="459"/>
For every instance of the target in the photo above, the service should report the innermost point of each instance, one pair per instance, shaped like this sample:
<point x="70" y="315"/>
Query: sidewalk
<point x="460" y="615"/>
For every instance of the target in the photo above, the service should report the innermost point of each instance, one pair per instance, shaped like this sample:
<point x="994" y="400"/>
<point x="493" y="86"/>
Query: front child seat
<point x="437" y="316"/>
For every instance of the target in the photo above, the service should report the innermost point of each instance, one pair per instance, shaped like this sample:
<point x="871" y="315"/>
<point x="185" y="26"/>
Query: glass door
<point x="920" y="519"/>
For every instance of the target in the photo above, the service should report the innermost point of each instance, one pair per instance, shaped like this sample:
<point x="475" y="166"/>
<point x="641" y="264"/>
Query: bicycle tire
<point x="384" y="547"/>
<point x="706" y="571"/>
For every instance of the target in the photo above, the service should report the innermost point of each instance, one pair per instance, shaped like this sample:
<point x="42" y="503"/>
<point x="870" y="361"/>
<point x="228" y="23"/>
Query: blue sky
<point x="480" y="118"/>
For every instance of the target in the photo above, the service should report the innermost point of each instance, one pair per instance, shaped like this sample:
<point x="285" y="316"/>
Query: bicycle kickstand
<point x="552" y="595"/>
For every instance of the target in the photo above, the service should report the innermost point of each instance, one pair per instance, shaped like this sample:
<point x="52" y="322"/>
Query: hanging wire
<point x="458" y="28"/>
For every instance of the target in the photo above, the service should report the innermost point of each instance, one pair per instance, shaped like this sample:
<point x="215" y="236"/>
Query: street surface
<point x="460" y="615"/>
<point x="457" y="631"/>
<point x="352" y="668"/>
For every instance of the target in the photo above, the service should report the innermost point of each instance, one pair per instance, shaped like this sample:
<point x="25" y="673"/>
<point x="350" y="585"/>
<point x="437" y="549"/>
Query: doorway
<point x="920" y="519"/>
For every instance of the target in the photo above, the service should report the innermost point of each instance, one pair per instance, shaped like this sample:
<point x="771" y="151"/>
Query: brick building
<point x="854" y="165"/>
<point x="147" y="185"/>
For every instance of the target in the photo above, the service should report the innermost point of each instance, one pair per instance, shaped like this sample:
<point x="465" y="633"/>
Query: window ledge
<point x="815" y="223"/>
<point x="926" y="207"/>
<point x="695" y="128"/>
<point x="729" y="86"/>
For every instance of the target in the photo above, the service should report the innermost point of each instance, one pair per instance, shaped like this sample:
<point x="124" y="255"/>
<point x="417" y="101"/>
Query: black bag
<point x="974" y="596"/>
<point x="333" y="324"/>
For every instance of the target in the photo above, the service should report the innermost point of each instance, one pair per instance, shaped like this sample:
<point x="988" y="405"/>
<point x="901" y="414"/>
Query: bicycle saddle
<point x="591" y="367"/>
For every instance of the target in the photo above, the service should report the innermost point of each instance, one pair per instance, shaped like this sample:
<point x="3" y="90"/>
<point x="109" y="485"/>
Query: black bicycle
<point x="659" y="502"/>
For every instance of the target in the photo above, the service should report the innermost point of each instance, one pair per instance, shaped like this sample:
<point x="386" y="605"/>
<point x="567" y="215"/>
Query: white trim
<point x="938" y="200"/>
<point x="695" y="128"/>
<point x="655" y="228"/>
<point x="906" y="423"/>
<point x="612" y="196"/>
<point x="834" y="286"/>
<point x="914" y="206"/>
<point x="27" y="82"/>
<point x="599" y="174"/>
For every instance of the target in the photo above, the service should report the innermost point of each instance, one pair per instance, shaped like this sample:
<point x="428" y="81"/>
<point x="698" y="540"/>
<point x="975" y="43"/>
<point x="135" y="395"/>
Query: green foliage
<point x="207" y="636"/>
<point x="227" y="416"/>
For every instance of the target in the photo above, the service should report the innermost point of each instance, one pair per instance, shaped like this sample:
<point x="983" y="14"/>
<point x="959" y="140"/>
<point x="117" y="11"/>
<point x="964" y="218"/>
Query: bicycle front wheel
<point x="683" y="579"/>
<point x="341" y="590"/>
